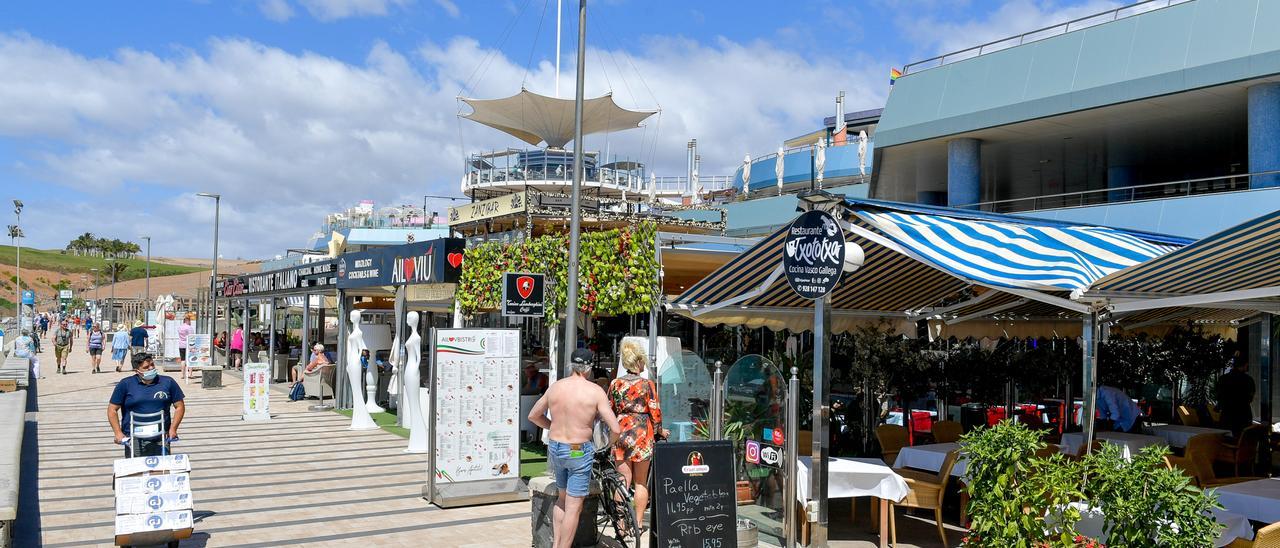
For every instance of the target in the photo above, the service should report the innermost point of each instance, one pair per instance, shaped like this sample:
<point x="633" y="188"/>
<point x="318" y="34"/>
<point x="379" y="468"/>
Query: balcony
<point x="551" y="170"/>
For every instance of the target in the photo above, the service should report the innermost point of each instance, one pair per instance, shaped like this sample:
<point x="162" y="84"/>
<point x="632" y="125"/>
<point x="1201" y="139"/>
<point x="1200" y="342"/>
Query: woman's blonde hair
<point x="634" y="358"/>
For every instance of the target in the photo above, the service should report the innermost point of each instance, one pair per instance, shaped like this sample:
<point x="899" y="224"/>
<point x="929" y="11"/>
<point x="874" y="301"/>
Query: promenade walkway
<point x="300" y="479"/>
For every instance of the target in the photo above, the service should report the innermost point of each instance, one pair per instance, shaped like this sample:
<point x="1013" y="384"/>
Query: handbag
<point x="298" y="392"/>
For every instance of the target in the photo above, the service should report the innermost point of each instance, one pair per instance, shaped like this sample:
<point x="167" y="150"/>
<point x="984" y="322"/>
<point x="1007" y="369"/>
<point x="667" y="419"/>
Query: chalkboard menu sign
<point x="694" y="502"/>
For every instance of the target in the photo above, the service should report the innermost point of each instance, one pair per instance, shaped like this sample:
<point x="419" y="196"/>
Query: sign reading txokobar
<point x="813" y="254"/>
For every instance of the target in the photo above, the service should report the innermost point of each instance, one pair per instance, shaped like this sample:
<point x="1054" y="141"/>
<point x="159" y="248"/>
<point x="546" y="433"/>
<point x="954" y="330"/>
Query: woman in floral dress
<point x="635" y="401"/>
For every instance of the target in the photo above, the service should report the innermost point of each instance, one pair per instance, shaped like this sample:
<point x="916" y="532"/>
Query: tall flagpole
<point x="575" y="222"/>
<point x="559" y="12"/>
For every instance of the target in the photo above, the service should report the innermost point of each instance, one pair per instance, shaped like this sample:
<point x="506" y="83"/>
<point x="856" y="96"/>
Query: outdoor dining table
<point x="1234" y="526"/>
<point x="856" y="477"/>
<point x="1132" y="443"/>
<point x="929" y="458"/>
<point x="1258" y="500"/>
<point x="1177" y="434"/>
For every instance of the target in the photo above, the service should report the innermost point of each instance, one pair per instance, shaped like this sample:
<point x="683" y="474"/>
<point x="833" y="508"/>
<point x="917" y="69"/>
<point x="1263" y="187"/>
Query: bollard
<point x="211" y="378"/>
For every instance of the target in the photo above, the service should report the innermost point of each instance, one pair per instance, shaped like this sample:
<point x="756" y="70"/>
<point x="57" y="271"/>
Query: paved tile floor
<point x="300" y="479"/>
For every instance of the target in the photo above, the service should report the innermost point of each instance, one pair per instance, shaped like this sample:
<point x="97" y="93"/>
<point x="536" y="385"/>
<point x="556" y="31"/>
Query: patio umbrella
<point x="820" y="160"/>
<point x="697" y="187"/>
<point x="653" y="188"/>
<point x="777" y="168"/>
<point x="746" y="173"/>
<point x="862" y="152"/>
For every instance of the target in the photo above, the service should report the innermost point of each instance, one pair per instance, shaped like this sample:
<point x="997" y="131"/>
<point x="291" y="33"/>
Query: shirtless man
<point x="575" y="403"/>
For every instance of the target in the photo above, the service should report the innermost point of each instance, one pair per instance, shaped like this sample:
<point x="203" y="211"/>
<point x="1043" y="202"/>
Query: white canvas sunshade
<point x="535" y="118"/>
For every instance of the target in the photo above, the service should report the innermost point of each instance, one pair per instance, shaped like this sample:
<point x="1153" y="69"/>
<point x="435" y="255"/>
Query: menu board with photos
<point x="477" y="399"/>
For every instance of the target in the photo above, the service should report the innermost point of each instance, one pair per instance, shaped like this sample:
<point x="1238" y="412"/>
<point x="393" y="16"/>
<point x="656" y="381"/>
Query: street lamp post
<point x="111" y="303"/>
<point x="213" y="281"/>
<point x="147" y="300"/>
<point x="17" y="232"/>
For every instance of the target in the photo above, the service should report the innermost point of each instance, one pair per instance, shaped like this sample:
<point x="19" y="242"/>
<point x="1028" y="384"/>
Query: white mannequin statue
<point x="412" y="387"/>
<point x="371" y="385"/>
<point x="360" y="419"/>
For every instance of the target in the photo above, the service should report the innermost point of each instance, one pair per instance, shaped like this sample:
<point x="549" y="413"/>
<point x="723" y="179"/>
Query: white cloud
<point x="330" y="10"/>
<point x="930" y="27"/>
<point x="449" y="7"/>
<point x="276" y="10"/>
<point x="286" y="137"/>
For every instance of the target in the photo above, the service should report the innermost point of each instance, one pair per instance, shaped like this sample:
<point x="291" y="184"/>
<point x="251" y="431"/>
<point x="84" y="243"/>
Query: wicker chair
<point x="1188" y="416"/>
<point x="1048" y="451"/>
<point x="892" y="439"/>
<point x="1244" y="451"/>
<point x="926" y="492"/>
<point x="947" y="431"/>
<point x="1267" y="537"/>
<point x="1197" y="461"/>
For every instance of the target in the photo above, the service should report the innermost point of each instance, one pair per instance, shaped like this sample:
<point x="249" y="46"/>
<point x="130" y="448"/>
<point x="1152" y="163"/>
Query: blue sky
<point x="113" y="114"/>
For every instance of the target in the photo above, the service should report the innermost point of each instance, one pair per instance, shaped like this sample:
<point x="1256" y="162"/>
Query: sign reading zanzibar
<point x="813" y="254"/>
<point x="488" y="209"/>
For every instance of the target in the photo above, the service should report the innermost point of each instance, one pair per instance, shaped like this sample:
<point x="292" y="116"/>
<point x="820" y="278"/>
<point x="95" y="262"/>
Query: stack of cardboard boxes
<point x="153" y="500"/>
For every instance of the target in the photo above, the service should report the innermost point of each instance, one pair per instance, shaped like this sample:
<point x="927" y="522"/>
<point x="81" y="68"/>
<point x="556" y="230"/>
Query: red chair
<point x="995" y="415"/>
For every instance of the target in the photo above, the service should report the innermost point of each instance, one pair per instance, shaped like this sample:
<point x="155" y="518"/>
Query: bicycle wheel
<point x="617" y="505"/>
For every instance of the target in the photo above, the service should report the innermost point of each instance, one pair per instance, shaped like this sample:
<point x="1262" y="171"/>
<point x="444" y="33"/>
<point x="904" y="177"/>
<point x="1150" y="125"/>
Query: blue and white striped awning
<point x="1014" y="254"/>
<point x="918" y="257"/>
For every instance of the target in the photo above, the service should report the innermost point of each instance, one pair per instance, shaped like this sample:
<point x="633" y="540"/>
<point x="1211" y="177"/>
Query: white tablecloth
<point x="1177" y="434"/>
<point x="929" y="458"/>
<point x="1132" y="443"/>
<point x="1258" y="500"/>
<point x="853" y="478"/>
<point x="1235" y="525"/>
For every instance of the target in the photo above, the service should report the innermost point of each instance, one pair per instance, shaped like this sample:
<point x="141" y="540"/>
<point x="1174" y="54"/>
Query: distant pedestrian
<point x="120" y="347"/>
<point x="25" y="347"/>
<point x="236" y="351"/>
<point x="44" y="325"/>
<point x="184" y="332"/>
<point x="62" y="343"/>
<point x="1235" y="392"/>
<point x="146" y="391"/>
<point x="137" y="338"/>
<point x="95" y="342"/>
<point x="575" y="404"/>
<point x="88" y="324"/>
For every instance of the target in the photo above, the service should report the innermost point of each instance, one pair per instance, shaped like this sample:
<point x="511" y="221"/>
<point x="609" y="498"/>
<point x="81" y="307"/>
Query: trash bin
<point x="973" y="415"/>
<point x="211" y="377"/>
<point x="542" y="495"/>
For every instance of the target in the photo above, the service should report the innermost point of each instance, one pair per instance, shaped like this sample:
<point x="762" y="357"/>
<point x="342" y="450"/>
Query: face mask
<point x="150" y="374"/>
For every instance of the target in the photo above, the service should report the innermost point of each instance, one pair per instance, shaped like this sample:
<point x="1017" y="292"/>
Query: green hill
<point x="56" y="260"/>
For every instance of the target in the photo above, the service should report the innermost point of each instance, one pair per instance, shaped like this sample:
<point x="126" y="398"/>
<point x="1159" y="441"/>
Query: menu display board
<point x="198" y="350"/>
<point x="694" y="501"/>
<point x="257" y="391"/>
<point x="476" y="398"/>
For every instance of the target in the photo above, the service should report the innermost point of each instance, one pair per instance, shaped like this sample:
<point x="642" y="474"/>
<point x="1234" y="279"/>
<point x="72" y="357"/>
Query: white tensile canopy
<point x="535" y="118"/>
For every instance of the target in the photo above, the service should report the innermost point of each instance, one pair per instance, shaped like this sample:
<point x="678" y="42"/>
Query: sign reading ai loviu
<point x="813" y="254"/>
<point x="435" y="261"/>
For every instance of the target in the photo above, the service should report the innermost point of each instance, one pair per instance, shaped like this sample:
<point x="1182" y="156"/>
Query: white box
<point x="138" y="465"/>
<point x="154" y="483"/>
<point x="151" y="503"/>
<point x="159" y="521"/>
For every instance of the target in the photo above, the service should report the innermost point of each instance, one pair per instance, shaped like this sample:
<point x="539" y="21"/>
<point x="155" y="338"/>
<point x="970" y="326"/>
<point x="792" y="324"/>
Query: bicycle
<point x="617" y="509"/>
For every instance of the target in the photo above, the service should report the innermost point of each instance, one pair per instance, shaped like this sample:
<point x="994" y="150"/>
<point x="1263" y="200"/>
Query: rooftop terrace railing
<point x="1041" y="34"/>
<point x="1137" y="193"/>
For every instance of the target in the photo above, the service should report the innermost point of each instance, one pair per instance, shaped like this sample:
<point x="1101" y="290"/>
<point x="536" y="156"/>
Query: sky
<point x="113" y="115"/>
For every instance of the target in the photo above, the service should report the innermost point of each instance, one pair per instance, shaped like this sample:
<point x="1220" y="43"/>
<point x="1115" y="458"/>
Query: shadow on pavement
<point x="26" y="529"/>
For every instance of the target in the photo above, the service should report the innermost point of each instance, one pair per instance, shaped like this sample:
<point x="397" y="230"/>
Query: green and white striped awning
<point x="1238" y="265"/>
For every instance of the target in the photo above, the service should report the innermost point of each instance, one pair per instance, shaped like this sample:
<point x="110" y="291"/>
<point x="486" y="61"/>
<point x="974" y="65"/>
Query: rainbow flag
<point x="894" y="74"/>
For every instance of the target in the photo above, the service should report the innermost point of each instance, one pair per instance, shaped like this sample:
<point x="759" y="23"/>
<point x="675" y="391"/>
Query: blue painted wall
<point x="1189" y="217"/>
<point x="842" y="161"/>
<point x="1191" y="45"/>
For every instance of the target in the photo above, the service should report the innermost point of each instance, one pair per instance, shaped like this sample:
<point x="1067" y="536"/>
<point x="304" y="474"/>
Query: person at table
<point x="634" y="400"/>
<point x="534" y="382"/>
<point x="319" y="358"/>
<point x="1118" y="409"/>
<point x="1235" y="392"/>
